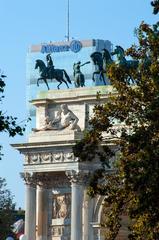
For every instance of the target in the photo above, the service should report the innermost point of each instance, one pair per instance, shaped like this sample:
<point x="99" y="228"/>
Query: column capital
<point x="29" y="178"/>
<point x="40" y="179"/>
<point x="43" y="180"/>
<point x="80" y="177"/>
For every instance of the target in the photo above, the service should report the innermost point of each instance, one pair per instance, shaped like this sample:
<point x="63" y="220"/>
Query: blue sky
<point x="23" y="23"/>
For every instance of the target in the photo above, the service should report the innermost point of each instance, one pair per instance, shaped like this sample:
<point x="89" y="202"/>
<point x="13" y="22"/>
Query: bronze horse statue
<point x="51" y="73"/>
<point x="101" y="60"/>
<point x="122" y="61"/>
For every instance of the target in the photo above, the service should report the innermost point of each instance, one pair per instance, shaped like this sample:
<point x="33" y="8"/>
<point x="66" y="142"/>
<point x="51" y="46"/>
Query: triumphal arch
<point x="57" y="204"/>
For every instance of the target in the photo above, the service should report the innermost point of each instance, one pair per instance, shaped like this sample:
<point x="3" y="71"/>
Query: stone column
<point x="42" y="207"/>
<point x="87" y="216"/>
<point x="77" y="188"/>
<point x="30" y="206"/>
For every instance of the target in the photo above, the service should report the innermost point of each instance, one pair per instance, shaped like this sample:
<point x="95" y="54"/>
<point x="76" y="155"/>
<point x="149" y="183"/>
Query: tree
<point x="155" y="5"/>
<point x="132" y="189"/>
<point x="7" y="207"/>
<point x="8" y="123"/>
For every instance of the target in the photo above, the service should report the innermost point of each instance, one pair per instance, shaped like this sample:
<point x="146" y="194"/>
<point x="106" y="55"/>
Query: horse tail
<point x="67" y="77"/>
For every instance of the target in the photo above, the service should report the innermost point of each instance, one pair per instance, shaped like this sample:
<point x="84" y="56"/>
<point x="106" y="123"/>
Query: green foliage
<point x="155" y="4"/>
<point x="7" y="207"/>
<point x="8" y="123"/>
<point x="132" y="189"/>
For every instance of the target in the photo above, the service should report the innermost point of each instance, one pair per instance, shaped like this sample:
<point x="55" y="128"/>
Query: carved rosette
<point x="45" y="157"/>
<point x="33" y="158"/>
<point x="79" y="177"/>
<point x="70" y="157"/>
<point x="57" y="157"/>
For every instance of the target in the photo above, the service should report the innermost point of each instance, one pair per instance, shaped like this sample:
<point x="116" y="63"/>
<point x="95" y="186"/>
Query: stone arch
<point x="98" y="209"/>
<point x="97" y="220"/>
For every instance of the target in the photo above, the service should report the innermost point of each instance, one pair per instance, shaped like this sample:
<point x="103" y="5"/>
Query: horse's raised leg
<point x="38" y="81"/>
<point x="46" y="84"/>
<point x="44" y="81"/>
<point x="102" y="77"/>
<point x="65" y="83"/>
<point x="59" y="85"/>
<point x="93" y="77"/>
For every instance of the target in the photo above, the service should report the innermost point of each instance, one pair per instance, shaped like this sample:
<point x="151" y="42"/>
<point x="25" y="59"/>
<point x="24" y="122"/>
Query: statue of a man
<point x="76" y="68"/>
<point x="78" y="75"/>
<point x="49" y="60"/>
<point x="50" y="65"/>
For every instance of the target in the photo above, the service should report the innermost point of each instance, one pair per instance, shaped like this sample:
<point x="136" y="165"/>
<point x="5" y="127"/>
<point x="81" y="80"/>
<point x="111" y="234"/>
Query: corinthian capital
<point x="80" y="177"/>
<point x="29" y="178"/>
<point x="44" y="180"/>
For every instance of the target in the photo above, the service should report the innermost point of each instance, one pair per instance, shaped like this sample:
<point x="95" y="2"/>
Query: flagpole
<point x="68" y="20"/>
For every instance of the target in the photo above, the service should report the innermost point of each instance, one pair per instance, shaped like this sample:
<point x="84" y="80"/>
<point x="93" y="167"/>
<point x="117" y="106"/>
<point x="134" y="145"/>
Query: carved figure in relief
<point x="65" y="118"/>
<point x="62" y="213"/>
<point x="47" y="124"/>
<point x="59" y="207"/>
<point x="62" y="206"/>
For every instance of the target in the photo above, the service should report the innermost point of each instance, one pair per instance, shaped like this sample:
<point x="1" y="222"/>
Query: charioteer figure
<point x="79" y="78"/>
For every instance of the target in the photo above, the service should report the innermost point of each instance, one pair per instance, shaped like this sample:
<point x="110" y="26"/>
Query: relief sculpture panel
<point x="64" y="119"/>
<point x="61" y="206"/>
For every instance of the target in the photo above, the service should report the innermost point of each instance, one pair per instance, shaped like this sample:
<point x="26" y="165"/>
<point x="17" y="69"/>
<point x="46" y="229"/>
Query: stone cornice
<point x="76" y="94"/>
<point x="26" y="147"/>
<point x="38" y="102"/>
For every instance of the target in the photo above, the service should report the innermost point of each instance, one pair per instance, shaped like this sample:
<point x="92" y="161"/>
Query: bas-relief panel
<point x="61" y="232"/>
<point x="77" y="109"/>
<point x="61" y="206"/>
<point x="60" y="119"/>
<point x="61" y="212"/>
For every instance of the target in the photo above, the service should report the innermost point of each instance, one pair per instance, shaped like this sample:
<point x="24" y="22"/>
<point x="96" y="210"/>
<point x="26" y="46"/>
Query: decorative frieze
<point x="50" y="157"/>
